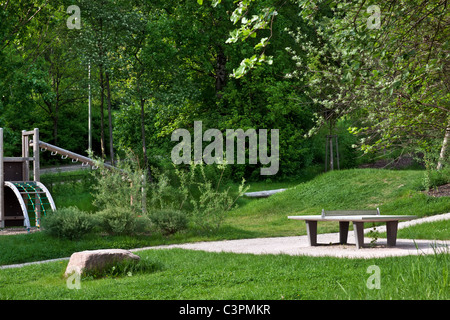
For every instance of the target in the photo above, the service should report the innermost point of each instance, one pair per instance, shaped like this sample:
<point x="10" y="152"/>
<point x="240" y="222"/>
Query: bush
<point x="118" y="221"/>
<point x="190" y="190"/>
<point x="70" y="223"/>
<point x="212" y="204"/>
<point x="121" y="187"/>
<point x="169" y="221"/>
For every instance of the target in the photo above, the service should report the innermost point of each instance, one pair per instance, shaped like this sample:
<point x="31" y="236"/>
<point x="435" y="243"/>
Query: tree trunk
<point x="144" y="146"/>
<point x="444" y="147"/>
<point x="55" y="130"/>
<point x="102" y="118"/>
<point x="111" y="144"/>
<point x="56" y="116"/>
<point x="102" y="90"/>
<point x="221" y="72"/>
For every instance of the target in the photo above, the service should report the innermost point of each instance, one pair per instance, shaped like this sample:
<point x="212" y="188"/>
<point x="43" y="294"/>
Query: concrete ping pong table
<point x="358" y="218"/>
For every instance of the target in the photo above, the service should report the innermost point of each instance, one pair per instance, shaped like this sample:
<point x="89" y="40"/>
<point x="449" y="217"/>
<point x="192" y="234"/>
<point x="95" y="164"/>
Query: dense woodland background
<point x="307" y="68"/>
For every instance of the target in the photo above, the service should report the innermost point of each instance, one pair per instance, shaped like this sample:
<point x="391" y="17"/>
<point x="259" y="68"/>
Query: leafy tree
<point x="394" y="73"/>
<point x="41" y="80"/>
<point x="15" y="18"/>
<point x="100" y="43"/>
<point x="386" y="63"/>
<point x="180" y="71"/>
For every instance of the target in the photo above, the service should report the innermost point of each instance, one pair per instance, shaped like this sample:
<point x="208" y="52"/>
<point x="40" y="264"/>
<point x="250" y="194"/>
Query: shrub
<point x="121" y="187"/>
<point x="117" y="220"/>
<point x="190" y="190"/>
<point x="169" y="221"/>
<point x="212" y="204"/>
<point x="70" y="223"/>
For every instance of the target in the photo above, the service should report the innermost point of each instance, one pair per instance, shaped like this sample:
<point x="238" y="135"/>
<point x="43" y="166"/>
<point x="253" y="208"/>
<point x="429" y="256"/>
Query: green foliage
<point x="169" y="221"/>
<point x="120" y="187"/>
<point x="183" y="88"/>
<point x="249" y="26"/>
<point x="118" y="221"/>
<point x="127" y="132"/>
<point x="429" y="157"/>
<point x="389" y="77"/>
<point x="119" y="195"/>
<point x="433" y="178"/>
<point x="212" y="204"/>
<point x="69" y="223"/>
<point x="122" y="195"/>
<point x="192" y="191"/>
<point x="374" y="235"/>
<point x="172" y="62"/>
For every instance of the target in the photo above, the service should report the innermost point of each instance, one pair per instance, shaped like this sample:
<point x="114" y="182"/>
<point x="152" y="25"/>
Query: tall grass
<point x="71" y="189"/>
<point x="182" y="274"/>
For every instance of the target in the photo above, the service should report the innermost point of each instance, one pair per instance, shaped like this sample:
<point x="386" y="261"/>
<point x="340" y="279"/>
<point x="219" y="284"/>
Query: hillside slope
<point x="393" y="191"/>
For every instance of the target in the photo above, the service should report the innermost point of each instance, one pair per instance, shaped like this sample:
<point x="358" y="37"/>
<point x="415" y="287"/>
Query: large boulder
<point x="97" y="260"/>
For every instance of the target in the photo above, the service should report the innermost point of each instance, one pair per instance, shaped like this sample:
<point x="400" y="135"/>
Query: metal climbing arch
<point x="34" y="198"/>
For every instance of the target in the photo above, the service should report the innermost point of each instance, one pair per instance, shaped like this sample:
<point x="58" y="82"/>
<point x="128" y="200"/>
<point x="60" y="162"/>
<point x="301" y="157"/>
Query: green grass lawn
<point x="394" y="192"/>
<point x="439" y="230"/>
<point x="193" y="275"/>
<point x="199" y="275"/>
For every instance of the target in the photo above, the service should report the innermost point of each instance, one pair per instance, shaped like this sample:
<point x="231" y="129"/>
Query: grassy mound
<point x="393" y="191"/>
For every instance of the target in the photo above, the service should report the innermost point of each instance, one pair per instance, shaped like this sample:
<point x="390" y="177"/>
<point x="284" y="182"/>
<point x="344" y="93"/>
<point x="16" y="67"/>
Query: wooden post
<point x="25" y="154"/>
<point x="2" y="183"/>
<point x="36" y="173"/>
<point x="36" y="163"/>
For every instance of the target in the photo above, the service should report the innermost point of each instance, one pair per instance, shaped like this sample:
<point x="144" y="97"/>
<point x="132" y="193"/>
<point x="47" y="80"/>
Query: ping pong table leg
<point x="359" y="234"/>
<point x="343" y="231"/>
<point x="391" y="231"/>
<point x="311" y="229"/>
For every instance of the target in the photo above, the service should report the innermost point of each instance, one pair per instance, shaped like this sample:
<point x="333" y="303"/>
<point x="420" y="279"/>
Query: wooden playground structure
<point x="23" y="200"/>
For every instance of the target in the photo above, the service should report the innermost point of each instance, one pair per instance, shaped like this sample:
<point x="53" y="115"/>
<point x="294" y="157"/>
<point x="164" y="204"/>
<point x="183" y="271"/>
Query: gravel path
<point x="298" y="246"/>
<point x="328" y="244"/>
